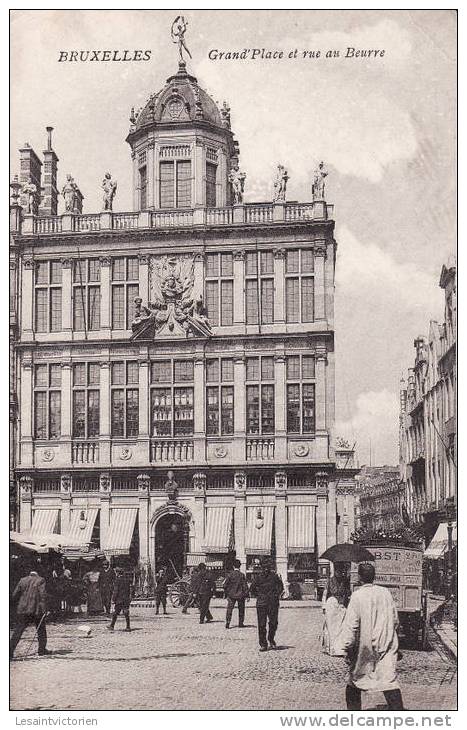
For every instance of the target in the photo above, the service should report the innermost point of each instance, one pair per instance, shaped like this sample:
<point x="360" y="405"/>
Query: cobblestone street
<point x="173" y="663"/>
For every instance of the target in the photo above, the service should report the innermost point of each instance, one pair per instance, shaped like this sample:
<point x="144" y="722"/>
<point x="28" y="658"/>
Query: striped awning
<point x="83" y="534"/>
<point x="301" y="532"/>
<point x="440" y="542"/>
<point x="44" y="521"/>
<point x="258" y="538"/>
<point x="120" y="533"/>
<point x="218" y="536"/>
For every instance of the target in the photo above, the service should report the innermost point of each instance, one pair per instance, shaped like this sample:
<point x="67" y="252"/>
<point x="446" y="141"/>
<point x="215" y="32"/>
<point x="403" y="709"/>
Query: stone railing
<point x="249" y="214"/>
<point x="259" y="449"/>
<point x="85" y="452"/>
<point x="171" y="450"/>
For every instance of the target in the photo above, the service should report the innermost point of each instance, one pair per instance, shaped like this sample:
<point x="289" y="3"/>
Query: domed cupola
<point x="182" y="148"/>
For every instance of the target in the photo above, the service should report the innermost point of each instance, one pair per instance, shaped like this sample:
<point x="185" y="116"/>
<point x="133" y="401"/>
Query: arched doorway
<point x="171" y="543"/>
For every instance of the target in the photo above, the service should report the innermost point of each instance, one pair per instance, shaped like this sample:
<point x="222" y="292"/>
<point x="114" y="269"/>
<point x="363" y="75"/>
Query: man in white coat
<point x="369" y="637"/>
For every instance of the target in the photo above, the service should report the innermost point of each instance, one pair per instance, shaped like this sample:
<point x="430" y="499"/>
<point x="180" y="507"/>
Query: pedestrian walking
<point x="31" y="596"/>
<point x="162" y="580"/>
<point x="369" y="637"/>
<point x="205" y="589"/>
<point x="336" y="597"/>
<point x="94" y="600"/>
<point x="267" y="586"/>
<point x="121" y="598"/>
<point x="191" y="591"/>
<point x="106" y="585"/>
<point x="236" y="591"/>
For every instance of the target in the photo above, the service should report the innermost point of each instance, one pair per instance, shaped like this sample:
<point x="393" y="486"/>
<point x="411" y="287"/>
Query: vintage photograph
<point x="233" y="385"/>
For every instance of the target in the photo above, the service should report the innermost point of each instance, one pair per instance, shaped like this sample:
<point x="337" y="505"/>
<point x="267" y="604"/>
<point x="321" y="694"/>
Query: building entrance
<point x="171" y="544"/>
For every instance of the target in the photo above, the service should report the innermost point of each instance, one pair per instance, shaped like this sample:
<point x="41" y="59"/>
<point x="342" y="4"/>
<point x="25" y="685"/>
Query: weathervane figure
<point x="177" y="32"/>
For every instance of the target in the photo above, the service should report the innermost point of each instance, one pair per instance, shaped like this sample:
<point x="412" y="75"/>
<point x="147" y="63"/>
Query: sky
<point x="384" y="126"/>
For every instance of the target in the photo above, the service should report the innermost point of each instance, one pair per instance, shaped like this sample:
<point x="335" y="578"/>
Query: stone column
<point x="27" y="298"/>
<point x="144" y="430"/>
<point x="199" y="487"/>
<point x="105" y="296"/>
<point x="67" y="295"/>
<point x="240" y="516"/>
<point x="280" y="449"/>
<point x="104" y="413"/>
<point x="280" y="487"/>
<point x="239" y="409"/>
<point x="331" y="523"/>
<point x="65" y="497"/>
<point x="239" y="287"/>
<point x="26" y="485"/>
<point x="26" y="411"/>
<point x="104" y="494"/>
<point x="321" y="516"/>
<point x="67" y="397"/>
<point x="144" y="278"/>
<point x="198" y="406"/>
<point x="279" y="285"/>
<point x="320" y="394"/>
<point x="320" y="289"/>
<point x="152" y="191"/>
<point x="144" y="485"/>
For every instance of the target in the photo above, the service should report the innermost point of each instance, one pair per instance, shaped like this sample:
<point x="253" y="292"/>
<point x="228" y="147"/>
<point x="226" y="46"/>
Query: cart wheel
<point x="178" y="593"/>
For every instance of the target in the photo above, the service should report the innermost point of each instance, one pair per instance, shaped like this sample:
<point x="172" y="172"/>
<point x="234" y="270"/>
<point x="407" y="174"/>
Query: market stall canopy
<point x="117" y="541"/>
<point x="258" y="538"/>
<point x="440" y="542"/>
<point x="301" y="528"/>
<point x="218" y="537"/>
<point x="43" y="543"/>
<point x="28" y="543"/>
<point x="44" y="521"/>
<point x="347" y="552"/>
<point x="82" y="530"/>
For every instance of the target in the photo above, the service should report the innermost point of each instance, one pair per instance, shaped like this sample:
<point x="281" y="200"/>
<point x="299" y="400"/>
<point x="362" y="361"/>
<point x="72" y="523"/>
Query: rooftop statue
<point x="32" y="202"/>
<point x="237" y="180"/>
<point x="177" y="32"/>
<point x="280" y="184"/>
<point x="317" y="187"/>
<point x="109" y="187"/>
<point x="70" y="193"/>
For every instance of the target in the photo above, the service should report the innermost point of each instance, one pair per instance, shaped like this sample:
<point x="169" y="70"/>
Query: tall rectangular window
<point x="124" y="399"/>
<point x="211" y="172"/>
<point x="86" y="413"/>
<point x="184" y="184"/>
<point x="260" y="408"/>
<point x="172" y="406"/>
<point x="167" y="190"/>
<point x="299" y="285"/>
<point x="259" y="303"/>
<point x="48" y="296"/>
<point x="86" y="295"/>
<point x="292" y="299"/>
<point x="47" y="401"/>
<point x="175" y="184"/>
<point x="219" y="397"/>
<point x="125" y="289"/>
<point x="300" y="374"/>
<point x="219" y="288"/>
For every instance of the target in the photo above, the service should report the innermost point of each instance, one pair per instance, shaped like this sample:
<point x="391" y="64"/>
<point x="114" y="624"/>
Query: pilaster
<point x="199" y="411"/>
<point x="105" y="295"/>
<point x="104" y="413"/>
<point x="27" y="298"/>
<point x="26" y="485"/>
<point x="322" y="513"/>
<point x="67" y="289"/>
<point x="239" y="287"/>
<point x="65" y="498"/>
<point x="144" y="484"/>
<point x="280" y="488"/>
<point x="280" y="450"/>
<point x="199" y="489"/>
<point x="320" y="288"/>
<point x="279" y="285"/>
<point x="26" y="412"/>
<point x="240" y="515"/>
<point x="144" y="429"/>
<point x="320" y="395"/>
<point x="151" y="175"/>
<point x="104" y="494"/>
<point x="240" y="408"/>
<point x="67" y="396"/>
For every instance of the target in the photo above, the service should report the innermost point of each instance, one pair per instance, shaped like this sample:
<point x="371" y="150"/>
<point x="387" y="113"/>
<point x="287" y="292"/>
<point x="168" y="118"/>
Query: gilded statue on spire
<point x="177" y="32"/>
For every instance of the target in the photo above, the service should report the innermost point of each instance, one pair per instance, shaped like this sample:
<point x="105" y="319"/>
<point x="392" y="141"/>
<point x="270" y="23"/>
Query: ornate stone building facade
<point x="174" y="365"/>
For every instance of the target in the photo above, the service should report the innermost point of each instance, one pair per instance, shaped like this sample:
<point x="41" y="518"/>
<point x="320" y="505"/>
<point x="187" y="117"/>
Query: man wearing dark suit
<point x="267" y="586"/>
<point x="205" y="589"/>
<point x="121" y="597"/>
<point x="106" y="585"/>
<point x="31" y="609"/>
<point x="236" y="592"/>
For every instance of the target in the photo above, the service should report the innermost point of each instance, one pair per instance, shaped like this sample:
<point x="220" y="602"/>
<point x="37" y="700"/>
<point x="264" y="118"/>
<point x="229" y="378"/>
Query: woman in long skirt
<point x="336" y="598"/>
<point x="94" y="601"/>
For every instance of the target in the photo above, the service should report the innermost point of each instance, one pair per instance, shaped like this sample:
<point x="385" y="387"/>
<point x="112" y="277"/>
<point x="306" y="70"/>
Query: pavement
<point x="174" y="663"/>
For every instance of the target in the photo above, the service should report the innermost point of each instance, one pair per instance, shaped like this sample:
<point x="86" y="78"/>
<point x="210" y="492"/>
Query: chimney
<point x="30" y="169"/>
<point x="49" y="204"/>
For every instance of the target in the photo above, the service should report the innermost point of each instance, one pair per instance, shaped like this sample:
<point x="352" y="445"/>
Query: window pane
<point x="56" y="272"/>
<point x="183" y="370"/>
<point x="212" y="411"/>
<point x="267" y="301"/>
<point x="161" y="371"/>
<point x="93" y="413"/>
<point x="132" y="413"/>
<point x="118" y="373"/>
<point x="212" y="302"/>
<point x="293" y="408"/>
<point x="132" y="372"/>
<point x="212" y="264"/>
<point x="267" y="409"/>
<point x="250" y="263"/>
<point x="94" y="308"/>
<point x="42" y="272"/>
<point x="292" y="262"/>
<point x="267" y="262"/>
<point x="252" y="409"/>
<point x="40" y="415"/>
<point x="118" y="413"/>
<point x="211" y="171"/>
<point x="79" y="373"/>
<point x="308" y="395"/>
<point x="133" y="268"/>
<point x="252" y="368"/>
<point x="79" y="271"/>
<point x="293" y="367"/>
<point x="267" y="368"/>
<point x="55" y="401"/>
<point x="292" y="303"/>
<point x="161" y="412"/>
<point x="118" y="307"/>
<point x="143" y="186"/>
<point x="118" y="269"/>
<point x="212" y="371"/>
<point x="94" y="270"/>
<point x="227" y="370"/>
<point x="41" y="310"/>
<point x="308" y="366"/>
<point x="226" y="264"/>
<point x="251" y="290"/>
<point x="184" y="184"/>
<point x="41" y="375"/>
<point x="307" y="300"/>
<point x="79" y="414"/>
<point x="226" y="302"/>
<point x="183" y="411"/>
<point x="94" y="373"/>
<point x="55" y="310"/>
<point x="132" y="292"/>
<point x="307" y="261"/>
<point x="227" y="410"/>
<point x="55" y="375"/>
<point x="78" y="307"/>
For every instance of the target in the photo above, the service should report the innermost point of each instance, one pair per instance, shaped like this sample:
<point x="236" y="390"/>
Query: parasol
<point x="347" y="552"/>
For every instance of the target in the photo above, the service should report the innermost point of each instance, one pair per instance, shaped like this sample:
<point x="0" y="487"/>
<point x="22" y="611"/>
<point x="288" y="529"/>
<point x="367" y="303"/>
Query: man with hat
<point x="106" y="585"/>
<point x="121" y="597"/>
<point x="31" y="609"/>
<point x="267" y="586"/>
<point x="205" y="589"/>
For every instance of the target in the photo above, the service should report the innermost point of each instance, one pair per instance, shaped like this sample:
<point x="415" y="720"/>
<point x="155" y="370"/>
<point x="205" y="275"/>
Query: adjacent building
<point x="380" y="498"/>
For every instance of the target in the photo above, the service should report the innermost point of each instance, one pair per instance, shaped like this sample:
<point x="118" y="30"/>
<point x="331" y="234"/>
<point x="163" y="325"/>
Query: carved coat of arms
<point x="176" y="307"/>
